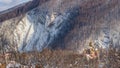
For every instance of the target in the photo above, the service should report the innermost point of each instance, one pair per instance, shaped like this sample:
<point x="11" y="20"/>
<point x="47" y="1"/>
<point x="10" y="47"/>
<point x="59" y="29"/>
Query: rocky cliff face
<point x="65" y="24"/>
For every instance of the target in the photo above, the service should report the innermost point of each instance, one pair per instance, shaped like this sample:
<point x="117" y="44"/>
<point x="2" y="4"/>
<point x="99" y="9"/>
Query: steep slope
<point x="65" y="24"/>
<point x="20" y="9"/>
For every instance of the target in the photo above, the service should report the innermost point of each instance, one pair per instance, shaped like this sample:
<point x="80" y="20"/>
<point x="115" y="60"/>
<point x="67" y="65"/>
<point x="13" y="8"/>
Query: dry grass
<point x="68" y="59"/>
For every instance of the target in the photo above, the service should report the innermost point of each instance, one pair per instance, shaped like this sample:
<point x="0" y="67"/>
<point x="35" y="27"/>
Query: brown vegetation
<point x="68" y="59"/>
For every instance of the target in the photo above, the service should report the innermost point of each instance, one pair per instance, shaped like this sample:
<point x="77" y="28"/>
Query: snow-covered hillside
<point x="69" y="24"/>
